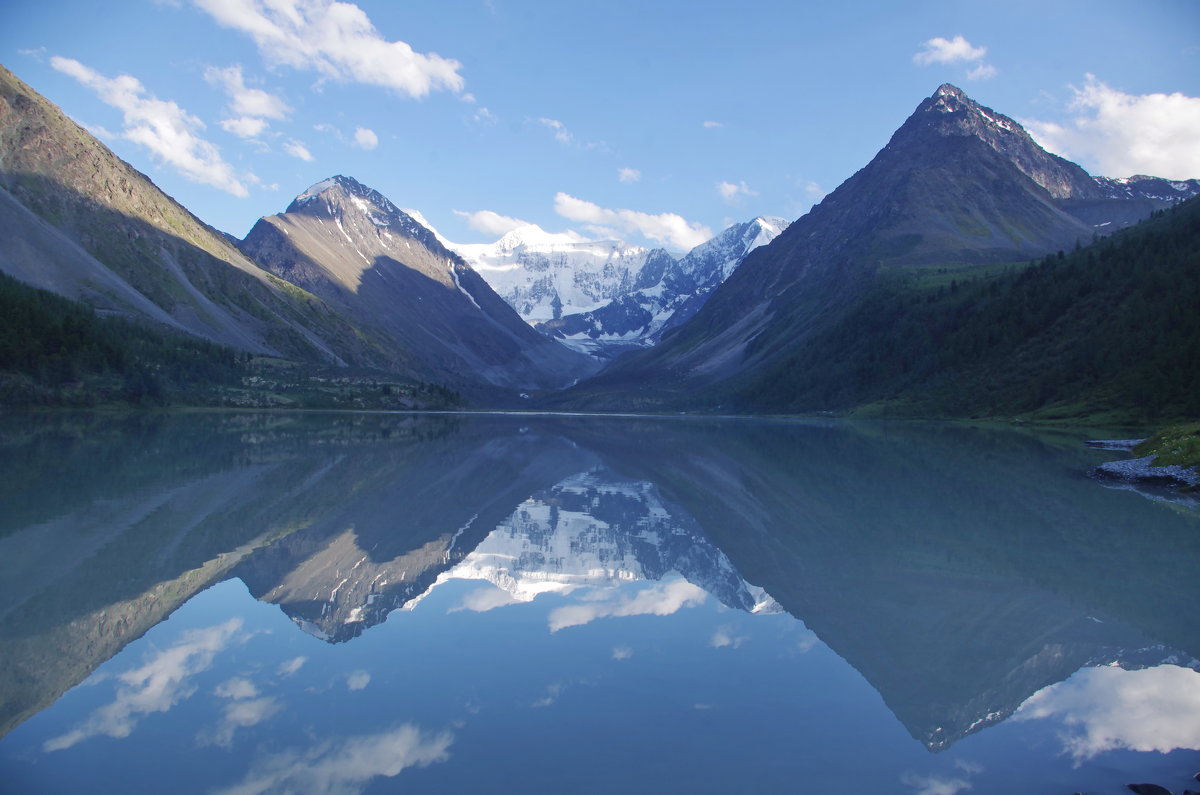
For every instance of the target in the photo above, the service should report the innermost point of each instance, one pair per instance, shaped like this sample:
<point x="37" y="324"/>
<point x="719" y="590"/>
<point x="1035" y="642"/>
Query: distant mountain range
<point x="957" y="189"/>
<point x="961" y="198"/>
<point x="605" y="297"/>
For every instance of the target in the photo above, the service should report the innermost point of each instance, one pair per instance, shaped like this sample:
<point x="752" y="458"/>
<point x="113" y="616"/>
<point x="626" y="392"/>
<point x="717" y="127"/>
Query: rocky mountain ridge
<point x="958" y="186"/>
<point x="639" y="318"/>
<point x="355" y="249"/>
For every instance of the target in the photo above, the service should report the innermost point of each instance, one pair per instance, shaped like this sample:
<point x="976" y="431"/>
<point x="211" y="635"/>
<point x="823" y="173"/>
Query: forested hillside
<point x="58" y="352"/>
<point x="1109" y="331"/>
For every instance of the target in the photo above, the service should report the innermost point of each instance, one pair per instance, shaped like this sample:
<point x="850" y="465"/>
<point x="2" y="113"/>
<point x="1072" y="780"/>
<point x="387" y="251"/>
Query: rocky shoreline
<point x="1142" y="470"/>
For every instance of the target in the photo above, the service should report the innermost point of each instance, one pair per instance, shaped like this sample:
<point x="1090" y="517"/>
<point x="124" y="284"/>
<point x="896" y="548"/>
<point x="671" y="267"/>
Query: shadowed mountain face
<point x="957" y="588"/>
<point x="81" y="222"/>
<point x="358" y="251"/>
<point x="957" y="185"/>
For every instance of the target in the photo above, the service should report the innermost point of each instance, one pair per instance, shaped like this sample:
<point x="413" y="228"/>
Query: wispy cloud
<point x="712" y="125"/>
<point x="247" y="709"/>
<point x="156" y="686"/>
<point x="668" y="228"/>
<point x="358" y="680"/>
<point x="955" y="51"/>
<point x="245" y="126"/>
<point x="659" y="600"/>
<point x="289" y="667"/>
<point x="628" y="175"/>
<point x="243" y="100"/>
<point x="170" y="133"/>
<point x="940" y="50"/>
<point x="732" y="192"/>
<point x="561" y="133"/>
<point x="724" y="637"/>
<point x="365" y="138"/>
<point x="336" y="40"/>
<point x="490" y="223"/>
<point x="1118" y="134"/>
<point x="982" y="72"/>
<point x="345" y="766"/>
<point x="297" y="150"/>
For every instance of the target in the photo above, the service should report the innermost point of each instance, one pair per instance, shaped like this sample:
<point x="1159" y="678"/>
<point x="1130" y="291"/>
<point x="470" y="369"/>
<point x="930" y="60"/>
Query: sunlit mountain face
<point x="258" y="603"/>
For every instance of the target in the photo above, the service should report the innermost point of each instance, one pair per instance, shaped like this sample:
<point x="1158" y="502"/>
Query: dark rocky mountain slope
<point x="959" y="187"/>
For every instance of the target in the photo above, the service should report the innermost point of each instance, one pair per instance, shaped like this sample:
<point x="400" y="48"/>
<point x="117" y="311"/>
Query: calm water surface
<point x="378" y="603"/>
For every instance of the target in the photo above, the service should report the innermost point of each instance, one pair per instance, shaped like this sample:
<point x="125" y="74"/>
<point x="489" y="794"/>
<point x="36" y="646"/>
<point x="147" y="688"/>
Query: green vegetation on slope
<point x="1110" y="332"/>
<point x="1177" y="445"/>
<point x="58" y="352"/>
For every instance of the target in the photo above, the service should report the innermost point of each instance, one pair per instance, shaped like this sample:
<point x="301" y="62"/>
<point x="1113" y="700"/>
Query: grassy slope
<point x="1177" y="445"/>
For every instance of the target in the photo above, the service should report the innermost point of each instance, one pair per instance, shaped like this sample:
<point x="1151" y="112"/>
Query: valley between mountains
<point x="962" y="272"/>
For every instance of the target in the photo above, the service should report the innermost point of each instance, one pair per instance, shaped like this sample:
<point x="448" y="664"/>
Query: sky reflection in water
<point x="320" y="604"/>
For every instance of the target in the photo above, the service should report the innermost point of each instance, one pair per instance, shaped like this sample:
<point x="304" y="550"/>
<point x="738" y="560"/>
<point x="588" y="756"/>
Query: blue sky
<point x="660" y="122"/>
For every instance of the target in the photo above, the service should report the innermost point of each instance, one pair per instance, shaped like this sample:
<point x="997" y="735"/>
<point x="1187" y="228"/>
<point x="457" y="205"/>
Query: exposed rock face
<point x="83" y="223"/>
<point x="355" y="249"/>
<point x="958" y="184"/>
<point x="950" y="112"/>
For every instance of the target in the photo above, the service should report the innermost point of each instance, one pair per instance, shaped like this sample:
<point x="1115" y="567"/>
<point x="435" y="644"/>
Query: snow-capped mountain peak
<point x="532" y="236"/>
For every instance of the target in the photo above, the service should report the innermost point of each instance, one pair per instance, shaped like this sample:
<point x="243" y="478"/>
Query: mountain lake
<point x="343" y="603"/>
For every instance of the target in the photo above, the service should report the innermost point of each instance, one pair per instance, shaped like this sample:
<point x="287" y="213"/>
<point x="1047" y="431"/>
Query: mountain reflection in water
<point x="973" y="577"/>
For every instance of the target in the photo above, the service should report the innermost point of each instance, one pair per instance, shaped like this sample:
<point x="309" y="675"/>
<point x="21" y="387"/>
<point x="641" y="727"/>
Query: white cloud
<point x="1119" y="135"/>
<point x="245" y="101"/>
<point x="161" y="683"/>
<point x="936" y="785"/>
<point x="561" y="133"/>
<point x="365" y="138"/>
<point x="245" y="126"/>
<point x="491" y="223"/>
<point x="552" y="693"/>
<point x="242" y="713"/>
<point x="732" y="192"/>
<point x="337" y="40"/>
<point x="601" y="232"/>
<point x="289" y="667"/>
<point x="1103" y="709"/>
<point x="297" y="150"/>
<point x="164" y="128"/>
<point x="358" y="680"/>
<point x="236" y="688"/>
<point x="659" y="600"/>
<point x="947" y="51"/>
<point x="712" y="125"/>
<point x="668" y="228"/>
<point x="628" y="175"/>
<point x="982" y="72"/>
<point x="484" y="116"/>
<point x="622" y="653"/>
<point x="346" y="766"/>
<point x="724" y="637"/>
<point x="488" y="597"/>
